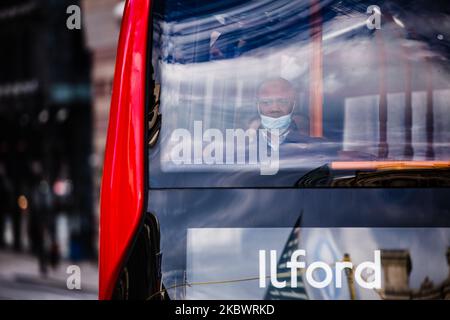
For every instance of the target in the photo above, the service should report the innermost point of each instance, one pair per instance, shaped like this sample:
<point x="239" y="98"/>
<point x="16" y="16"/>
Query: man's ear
<point x="257" y="107"/>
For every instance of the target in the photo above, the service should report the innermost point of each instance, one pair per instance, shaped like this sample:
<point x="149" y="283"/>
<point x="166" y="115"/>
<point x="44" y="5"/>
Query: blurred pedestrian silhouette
<point x="5" y="203"/>
<point x="42" y="231"/>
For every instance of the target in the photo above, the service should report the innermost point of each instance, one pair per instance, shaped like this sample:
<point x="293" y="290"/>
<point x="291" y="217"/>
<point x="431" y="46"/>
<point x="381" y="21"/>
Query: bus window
<point x="297" y="93"/>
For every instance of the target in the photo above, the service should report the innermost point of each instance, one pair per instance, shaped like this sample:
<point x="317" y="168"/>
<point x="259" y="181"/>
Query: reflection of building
<point x="397" y="267"/>
<point x="425" y="138"/>
<point x="102" y="23"/>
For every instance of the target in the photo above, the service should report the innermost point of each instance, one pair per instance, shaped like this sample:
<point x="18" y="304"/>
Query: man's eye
<point x="284" y="102"/>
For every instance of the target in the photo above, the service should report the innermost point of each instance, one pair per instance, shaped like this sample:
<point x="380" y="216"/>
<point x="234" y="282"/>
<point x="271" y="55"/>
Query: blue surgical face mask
<point x="282" y="123"/>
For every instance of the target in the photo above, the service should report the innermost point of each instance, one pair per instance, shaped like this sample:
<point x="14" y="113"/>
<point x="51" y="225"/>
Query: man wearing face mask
<point x="276" y="104"/>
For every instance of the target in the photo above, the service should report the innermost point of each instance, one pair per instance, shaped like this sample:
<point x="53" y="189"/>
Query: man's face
<point x="276" y="99"/>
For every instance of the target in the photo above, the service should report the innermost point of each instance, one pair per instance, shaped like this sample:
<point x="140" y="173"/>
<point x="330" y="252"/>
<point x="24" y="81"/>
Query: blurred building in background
<point x="397" y="267"/>
<point x="102" y="25"/>
<point x="55" y="87"/>
<point x="46" y="136"/>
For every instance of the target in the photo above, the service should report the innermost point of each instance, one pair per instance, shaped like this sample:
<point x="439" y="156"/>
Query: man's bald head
<point x="276" y="97"/>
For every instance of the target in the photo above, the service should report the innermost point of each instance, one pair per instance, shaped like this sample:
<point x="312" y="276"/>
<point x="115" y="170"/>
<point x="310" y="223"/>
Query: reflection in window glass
<point x="259" y="93"/>
<point x="211" y="276"/>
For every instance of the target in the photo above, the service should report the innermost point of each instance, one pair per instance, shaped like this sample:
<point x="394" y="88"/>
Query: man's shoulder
<point x="295" y="136"/>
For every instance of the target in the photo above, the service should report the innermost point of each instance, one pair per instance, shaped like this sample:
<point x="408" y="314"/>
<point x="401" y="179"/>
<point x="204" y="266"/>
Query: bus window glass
<point x="299" y="93"/>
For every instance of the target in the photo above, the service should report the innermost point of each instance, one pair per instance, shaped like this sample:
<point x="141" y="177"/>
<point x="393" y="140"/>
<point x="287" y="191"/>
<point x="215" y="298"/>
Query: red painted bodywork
<point x="122" y="192"/>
